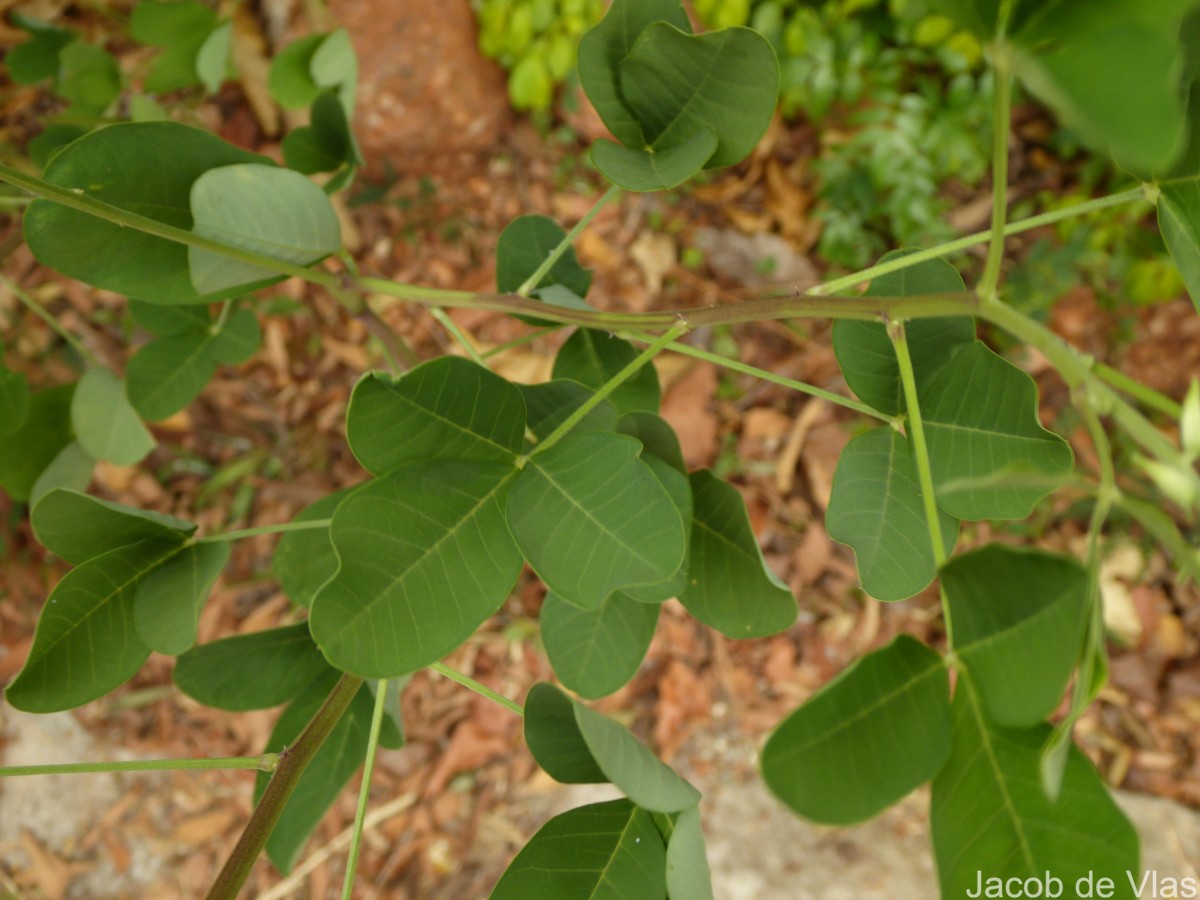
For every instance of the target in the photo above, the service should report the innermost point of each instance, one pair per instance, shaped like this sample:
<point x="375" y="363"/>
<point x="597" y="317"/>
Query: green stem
<point x="556" y="254"/>
<point x="519" y="342"/>
<point x="920" y="452"/>
<point x="1141" y="392"/>
<point x="737" y="366"/>
<point x="266" y="763"/>
<point x="222" y="318"/>
<point x="364" y="792"/>
<point x="607" y="388"/>
<point x="1002" y="69"/>
<point x="225" y="536"/>
<point x="42" y="313"/>
<point x="292" y="764"/>
<point x="482" y="689"/>
<point x="460" y="337"/>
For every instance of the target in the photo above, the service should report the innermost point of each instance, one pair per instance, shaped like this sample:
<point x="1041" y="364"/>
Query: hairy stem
<point x="292" y="764"/>
<point x="364" y="793"/>
<point x="556" y="254"/>
<point x="266" y="763"/>
<point x="482" y="689"/>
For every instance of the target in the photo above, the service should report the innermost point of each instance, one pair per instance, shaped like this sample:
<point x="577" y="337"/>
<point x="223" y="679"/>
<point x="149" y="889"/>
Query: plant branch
<point x="460" y="337"/>
<point x="56" y="326"/>
<point x="266" y="763"/>
<point x="364" y="793"/>
<point x="482" y="689"/>
<point x="292" y="764"/>
<point x="1002" y="71"/>
<point x="1141" y="392"/>
<point x="556" y="254"/>
<point x="226" y="536"/>
<point x="607" y="388"/>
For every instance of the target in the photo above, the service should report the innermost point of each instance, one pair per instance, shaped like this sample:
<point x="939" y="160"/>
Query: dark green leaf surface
<point x="305" y="560"/>
<point x="605" y="46"/>
<point x="605" y="851"/>
<point x="876" y="508"/>
<point x="596" y="651"/>
<point x="326" y="143"/>
<point x="144" y="167"/>
<point x="276" y="212"/>
<point x="874" y="733"/>
<point x="679" y="85"/>
<point x="549" y="403"/>
<point x="425" y="558"/>
<point x="656" y="436"/>
<point x="166" y="609"/>
<point x="105" y="423"/>
<point x="1179" y="222"/>
<point x="37" y="58"/>
<point x="167" y="373"/>
<point x="448" y="408"/>
<point x="1017" y="611"/>
<point x="14" y="400"/>
<point x="524" y="245"/>
<point x="290" y="78"/>
<point x="251" y="671"/>
<point x="593" y="357"/>
<point x="26" y="452"/>
<point x="238" y="340"/>
<point x="179" y="27"/>
<point x="77" y="526"/>
<point x="864" y="350"/>
<point x="990" y="456"/>
<point x="88" y="77"/>
<point x="632" y="766"/>
<point x="86" y="644"/>
<point x="591" y="498"/>
<point x="642" y="169"/>
<point x="730" y="587"/>
<point x="679" y="489"/>
<point x="168" y="321"/>
<point x="988" y="812"/>
<point x="554" y="738"/>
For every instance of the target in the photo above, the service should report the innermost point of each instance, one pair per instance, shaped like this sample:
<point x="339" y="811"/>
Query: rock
<point x="424" y="89"/>
<point x="753" y="260"/>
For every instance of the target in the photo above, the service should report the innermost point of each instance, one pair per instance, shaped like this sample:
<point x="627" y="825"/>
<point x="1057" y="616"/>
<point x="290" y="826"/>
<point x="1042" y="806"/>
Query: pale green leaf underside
<point x="876" y="508"/>
<point x="553" y="737"/>
<point x="866" y="739"/>
<point x="688" y="874"/>
<point x="105" y="423"/>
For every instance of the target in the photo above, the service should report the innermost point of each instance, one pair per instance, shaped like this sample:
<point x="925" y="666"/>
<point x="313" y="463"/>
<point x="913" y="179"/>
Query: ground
<point x="266" y="438"/>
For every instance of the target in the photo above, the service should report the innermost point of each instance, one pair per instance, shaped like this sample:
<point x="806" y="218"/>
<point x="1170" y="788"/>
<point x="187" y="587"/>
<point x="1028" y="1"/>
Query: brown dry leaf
<point x="811" y="558"/>
<point x="205" y="827"/>
<point x="684" y="702"/>
<point x="470" y="747"/>
<point x="250" y="57"/>
<point x="687" y="408"/>
<point x="785" y="468"/>
<point x="51" y="873"/>
<point x="655" y="254"/>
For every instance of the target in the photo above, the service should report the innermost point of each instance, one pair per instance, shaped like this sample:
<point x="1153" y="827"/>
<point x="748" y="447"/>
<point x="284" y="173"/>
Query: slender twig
<point x="265" y="763"/>
<point x="364" y="793"/>
<point x="548" y="263"/>
<point x="287" y="774"/>
<point x="226" y="536"/>
<point x="1143" y="393"/>
<point x="521" y="341"/>
<point x="223" y="317"/>
<point x="482" y="689"/>
<point x="460" y="337"/>
<point x="56" y="326"/>
<point x="1002" y="72"/>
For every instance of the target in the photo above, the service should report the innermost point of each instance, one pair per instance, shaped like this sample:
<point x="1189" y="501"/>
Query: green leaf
<point x="169" y="321"/>
<point x="688" y="875"/>
<point x="238" y="340"/>
<point x="679" y="84"/>
<point x="425" y="558"/>
<point x="657" y="437"/>
<point x="212" y="59"/>
<point x="596" y="651"/>
<point x="37" y="58"/>
<point x="272" y="211"/>
<point x="325" y="777"/>
<point x="730" y="587"/>
<point x="106" y="424"/>
<point x="166" y="609"/>
<point x="179" y="27"/>
<point x="251" y="671"/>
<point x="14" y="400"/>
<point x="549" y="403"/>
<point x="144" y="167"/>
<point x="679" y="489"/>
<point x="305" y="560"/>
<point x="1023" y="834"/>
<point x="50" y="141"/>
<point x="864" y="350"/>
<point x="867" y="738"/>
<point x="1179" y="222"/>
<point x="166" y="374"/>
<point x="603" y="851"/>
<point x="26" y="452"/>
<point x="1017" y="611"/>
<point x="71" y="470"/>
<point x="78" y="527"/>
<point x="88" y="77"/>
<point x="326" y="143"/>
<point x="290" y="78"/>
<point x="649" y="169"/>
<point x="86" y="644"/>
<point x="990" y="456"/>
<point x="1110" y="71"/>
<point x="604" y="47"/>
<point x="554" y="738"/>
<point x="448" y="408"/>
<point x="593" y="357"/>
<point x="524" y="245"/>
<point x="590" y="499"/>
<point x="631" y="766"/>
<point x="876" y="508"/>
